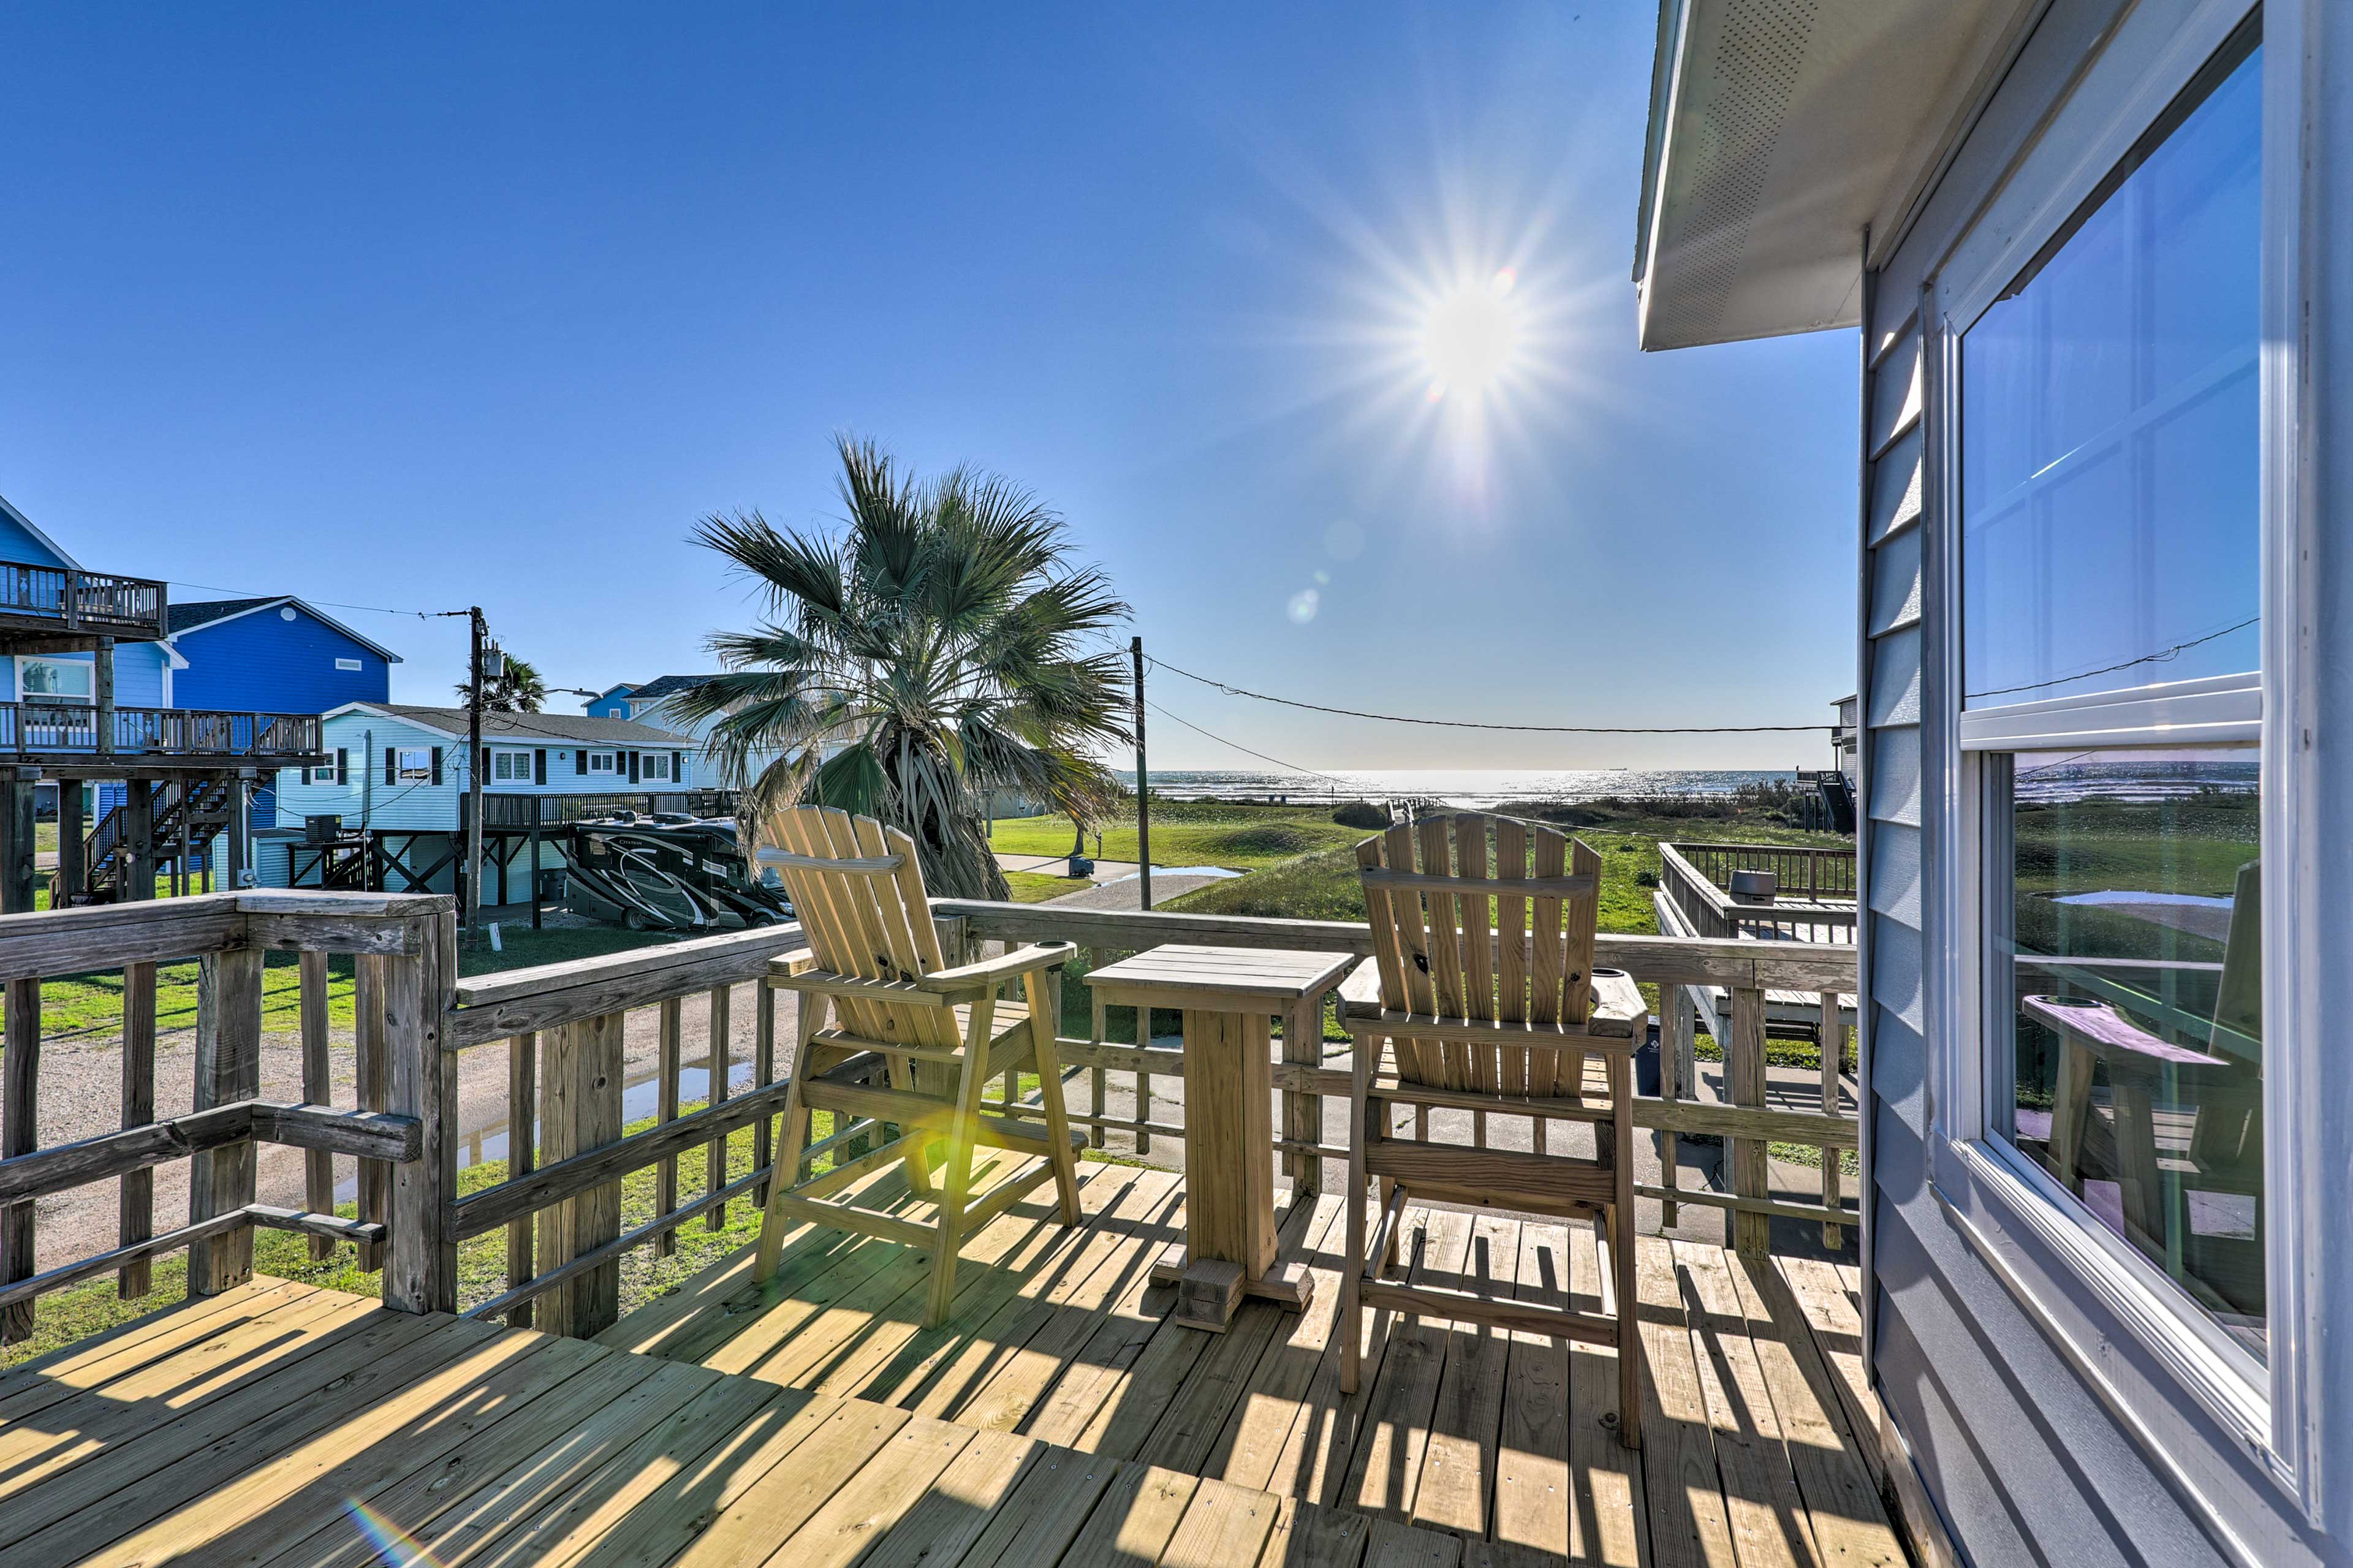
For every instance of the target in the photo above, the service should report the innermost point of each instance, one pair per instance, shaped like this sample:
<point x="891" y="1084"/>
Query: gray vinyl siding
<point x="2026" y="1464"/>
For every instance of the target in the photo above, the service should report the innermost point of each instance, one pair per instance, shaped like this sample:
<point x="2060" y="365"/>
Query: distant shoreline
<point x="1465" y="786"/>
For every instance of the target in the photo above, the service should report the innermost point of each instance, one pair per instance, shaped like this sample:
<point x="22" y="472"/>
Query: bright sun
<point x="1470" y="336"/>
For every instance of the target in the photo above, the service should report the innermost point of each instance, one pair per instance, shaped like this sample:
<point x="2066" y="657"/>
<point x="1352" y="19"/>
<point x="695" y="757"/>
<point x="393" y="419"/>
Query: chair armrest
<point x="1361" y="992"/>
<point x="988" y="972"/>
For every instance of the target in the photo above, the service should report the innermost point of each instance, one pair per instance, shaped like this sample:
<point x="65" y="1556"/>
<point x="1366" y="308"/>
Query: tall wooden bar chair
<point x="935" y="1032"/>
<point x="1487" y="1001"/>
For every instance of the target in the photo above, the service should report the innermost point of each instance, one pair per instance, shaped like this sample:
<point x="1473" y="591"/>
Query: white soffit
<point x="1789" y="126"/>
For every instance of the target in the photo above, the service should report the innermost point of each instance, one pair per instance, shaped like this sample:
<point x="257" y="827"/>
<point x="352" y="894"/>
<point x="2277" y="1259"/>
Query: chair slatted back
<point x="1453" y="939"/>
<point x="867" y="919"/>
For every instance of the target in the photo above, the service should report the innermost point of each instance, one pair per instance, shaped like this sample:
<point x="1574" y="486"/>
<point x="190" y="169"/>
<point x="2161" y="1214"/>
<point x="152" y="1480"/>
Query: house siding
<point x="263" y="663"/>
<point x="2021" y="1457"/>
<point x="18" y="545"/>
<point x="367" y="801"/>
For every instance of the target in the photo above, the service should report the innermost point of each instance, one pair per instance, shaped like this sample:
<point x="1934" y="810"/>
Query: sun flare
<point x="1471" y="337"/>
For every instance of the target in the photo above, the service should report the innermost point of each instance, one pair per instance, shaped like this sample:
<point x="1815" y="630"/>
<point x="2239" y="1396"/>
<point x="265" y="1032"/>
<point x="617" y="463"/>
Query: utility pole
<point x="1143" y="786"/>
<point x="474" y="775"/>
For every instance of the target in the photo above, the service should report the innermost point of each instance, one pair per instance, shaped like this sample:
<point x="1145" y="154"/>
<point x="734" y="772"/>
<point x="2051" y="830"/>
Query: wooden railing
<point x="404" y="947"/>
<point x="38" y="730"/>
<point x="98" y="601"/>
<point x="564" y="1028"/>
<point x="1815" y="901"/>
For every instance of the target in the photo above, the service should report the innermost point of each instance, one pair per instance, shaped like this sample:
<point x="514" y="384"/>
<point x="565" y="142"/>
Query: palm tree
<point x="517" y="689"/>
<point x="942" y="643"/>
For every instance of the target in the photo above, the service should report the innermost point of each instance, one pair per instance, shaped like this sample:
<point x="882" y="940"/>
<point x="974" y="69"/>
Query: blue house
<point x="144" y="667"/>
<point x="276" y="655"/>
<point x="94" y="725"/>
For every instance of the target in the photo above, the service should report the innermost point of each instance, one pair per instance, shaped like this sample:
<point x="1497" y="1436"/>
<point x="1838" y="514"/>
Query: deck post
<point x="523" y="1135"/>
<point x="318" y="1080"/>
<point x="1744" y="1060"/>
<point x="581" y="1089"/>
<point x="228" y="1069"/>
<point x="16" y="877"/>
<point x="134" y="853"/>
<point x="20" y="1133"/>
<point x="73" y="870"/>
<point x="421" y="1273"/>
<point x="374" y="1092"/>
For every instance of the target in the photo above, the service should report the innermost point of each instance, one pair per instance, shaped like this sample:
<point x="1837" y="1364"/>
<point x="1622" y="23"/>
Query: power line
<point x="1261" y="756"/>
<point x="1474" y="724"/>
<point x="331" y="603"/>
<point x="2160" y="656"/>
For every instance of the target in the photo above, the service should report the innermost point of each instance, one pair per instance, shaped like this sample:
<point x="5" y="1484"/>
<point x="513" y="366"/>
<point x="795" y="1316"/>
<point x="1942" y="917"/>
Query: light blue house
<point x="144" y="671"/>
<point x="399" y="772"/>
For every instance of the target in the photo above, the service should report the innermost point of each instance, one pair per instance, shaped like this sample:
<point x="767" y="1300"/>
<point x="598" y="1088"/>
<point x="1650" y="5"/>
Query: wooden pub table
<point x="1227" y="994"/>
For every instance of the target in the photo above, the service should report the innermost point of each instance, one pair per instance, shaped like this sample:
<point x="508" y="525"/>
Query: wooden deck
<point x="282" y="1425"/>
<point x="1756" y="1398"/>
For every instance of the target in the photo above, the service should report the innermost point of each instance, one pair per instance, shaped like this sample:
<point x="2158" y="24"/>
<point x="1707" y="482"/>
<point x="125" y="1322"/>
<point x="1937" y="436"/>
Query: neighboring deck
<point x="1751" y="1430"/>
<point x="282" y="1425"/>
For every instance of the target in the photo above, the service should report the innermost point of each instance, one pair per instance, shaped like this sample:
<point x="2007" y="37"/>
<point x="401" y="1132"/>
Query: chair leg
<point x="959" y="1185"/>
<point x="786" y="1177"/>
<point x="1352" y="1273"/>
<point x="1045" y="1018"/>
<point x="919" y="1172"/>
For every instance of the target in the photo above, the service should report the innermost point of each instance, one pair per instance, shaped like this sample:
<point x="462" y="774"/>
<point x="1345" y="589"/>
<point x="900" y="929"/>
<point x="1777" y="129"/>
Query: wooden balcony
<point x="76" y="740"/>
<point x="1056" y="1418"/>
<point x="56" y="609"/>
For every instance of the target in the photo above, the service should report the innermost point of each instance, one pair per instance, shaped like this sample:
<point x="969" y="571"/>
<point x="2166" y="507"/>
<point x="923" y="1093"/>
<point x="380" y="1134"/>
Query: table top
<point x="1276" y="976"/>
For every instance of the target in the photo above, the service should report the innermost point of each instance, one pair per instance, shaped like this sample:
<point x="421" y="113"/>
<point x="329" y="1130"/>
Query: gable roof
<point x="200" y="612"/>
<point x="537" y="727"/>
<point x="29" y="526"/>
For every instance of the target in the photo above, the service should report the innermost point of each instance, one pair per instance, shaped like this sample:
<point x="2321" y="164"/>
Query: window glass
<point x="2109" y="417"/>
<point x="657" y="766"/>
<point x="57" y="679"/>
<point x="2128" y="976"/>
<point x="417" y="762"/>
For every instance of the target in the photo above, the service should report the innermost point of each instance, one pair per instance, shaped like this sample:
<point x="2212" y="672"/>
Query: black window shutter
<point x="306" y="775"/>
<point x="486" y="764"/>
<point x="343" y="764"/>
<point x="633" y="767"/>
<point x="392" y="764"/>
<point x="580" y="762"/>
<point x="437" y="764"/>
<point x="539" y="766"/>
<point x="678" y="767"/>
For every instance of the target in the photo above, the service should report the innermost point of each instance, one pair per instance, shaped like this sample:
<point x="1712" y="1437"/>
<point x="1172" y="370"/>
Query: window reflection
<point x="2108" y="401"/>
<point x="2130" y="970"/>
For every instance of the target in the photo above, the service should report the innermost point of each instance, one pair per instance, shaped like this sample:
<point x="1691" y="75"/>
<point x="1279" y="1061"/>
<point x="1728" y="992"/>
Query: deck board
<point x="1058" y="1419"/>
<point x="1505" y="1440"/>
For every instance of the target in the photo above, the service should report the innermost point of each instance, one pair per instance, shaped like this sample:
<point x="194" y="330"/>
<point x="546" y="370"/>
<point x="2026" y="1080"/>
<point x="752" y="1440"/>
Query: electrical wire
<point x="331" y="603"/>
<point x="1261" y="756"/>
<point x="1475" y="724"/>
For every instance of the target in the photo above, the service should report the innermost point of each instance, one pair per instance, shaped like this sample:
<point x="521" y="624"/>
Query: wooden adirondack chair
<point x="1495" y="1020"/>
<point x="937" y="1033"/>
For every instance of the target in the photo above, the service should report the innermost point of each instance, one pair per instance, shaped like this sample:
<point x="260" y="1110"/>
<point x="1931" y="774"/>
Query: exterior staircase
<point x="205" y="809"/>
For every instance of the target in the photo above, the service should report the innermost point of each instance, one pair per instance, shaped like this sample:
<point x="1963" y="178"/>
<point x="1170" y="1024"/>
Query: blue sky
<point x="488" y="305"/>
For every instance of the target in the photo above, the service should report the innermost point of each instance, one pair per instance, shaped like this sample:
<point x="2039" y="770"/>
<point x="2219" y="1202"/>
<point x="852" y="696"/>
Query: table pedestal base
<point x="1209" y="1292"/>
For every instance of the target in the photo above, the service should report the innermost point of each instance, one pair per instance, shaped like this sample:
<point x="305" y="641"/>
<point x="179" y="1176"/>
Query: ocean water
<point x="1457" y="786"/>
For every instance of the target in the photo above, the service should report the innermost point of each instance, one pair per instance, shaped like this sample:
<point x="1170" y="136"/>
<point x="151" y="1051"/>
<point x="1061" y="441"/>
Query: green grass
<point x="1191" y="833"/>
<point x="45" y="837"/>
<point x="1037" y="887"/>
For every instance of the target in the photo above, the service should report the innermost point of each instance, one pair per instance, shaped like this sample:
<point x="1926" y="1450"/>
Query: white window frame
<point x="603" y="762"/>
<point x="2169" y="1375"/>
<point x="517" y="763"/>
<point x="349" y="664"/>
<point x="58" y="699"/>
<point x="647" y="761"/>
<point x="404" y="772"/>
